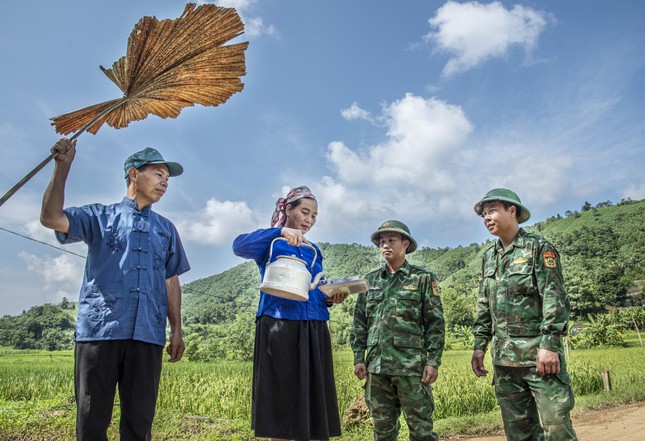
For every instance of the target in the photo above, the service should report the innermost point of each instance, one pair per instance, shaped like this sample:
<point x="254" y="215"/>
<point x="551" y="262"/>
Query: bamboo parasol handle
<point x="51" y="156"/>
<point x="24" y="180"/>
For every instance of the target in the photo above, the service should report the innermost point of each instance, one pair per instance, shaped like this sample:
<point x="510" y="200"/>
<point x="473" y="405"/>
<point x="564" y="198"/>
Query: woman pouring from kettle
<point x="294" y="394"/>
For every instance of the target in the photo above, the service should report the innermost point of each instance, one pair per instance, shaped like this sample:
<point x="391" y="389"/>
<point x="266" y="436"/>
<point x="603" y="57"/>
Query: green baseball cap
<point x="396" y="227"/>
<point x="505" y="195"/>
<point x="151" y="156"/>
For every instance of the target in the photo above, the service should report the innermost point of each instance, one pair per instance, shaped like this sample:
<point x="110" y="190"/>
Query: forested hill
<point x="602" y="249"/>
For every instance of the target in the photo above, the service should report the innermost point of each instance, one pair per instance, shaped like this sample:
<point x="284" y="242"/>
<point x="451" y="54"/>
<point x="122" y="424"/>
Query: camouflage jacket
<point x="398" y="324"/>
<point x="522" y="304"/>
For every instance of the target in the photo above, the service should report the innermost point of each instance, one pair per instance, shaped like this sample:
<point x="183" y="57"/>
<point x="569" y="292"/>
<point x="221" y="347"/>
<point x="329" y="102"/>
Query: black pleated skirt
<point x="294" y="393"/>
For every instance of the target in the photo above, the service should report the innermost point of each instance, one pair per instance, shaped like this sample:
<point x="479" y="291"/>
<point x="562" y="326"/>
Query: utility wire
<point x="44" y="243"/>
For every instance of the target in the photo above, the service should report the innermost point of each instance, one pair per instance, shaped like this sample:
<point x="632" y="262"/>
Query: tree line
<point x="602" y="252"/>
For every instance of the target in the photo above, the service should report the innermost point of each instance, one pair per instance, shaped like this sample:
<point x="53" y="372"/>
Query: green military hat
<point x="396" y="227"/>
<point x="505" y="195"/>
<point x="150" y="156"/>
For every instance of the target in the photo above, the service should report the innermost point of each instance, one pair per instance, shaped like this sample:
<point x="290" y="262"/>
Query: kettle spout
<point x="316" y="281"/>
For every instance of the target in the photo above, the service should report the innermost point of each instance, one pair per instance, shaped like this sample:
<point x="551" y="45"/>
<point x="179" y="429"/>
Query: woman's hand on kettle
<point x="294" y="236"/>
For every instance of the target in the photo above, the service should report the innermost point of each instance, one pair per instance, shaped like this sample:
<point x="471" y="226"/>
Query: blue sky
<point x="408" y="110"/>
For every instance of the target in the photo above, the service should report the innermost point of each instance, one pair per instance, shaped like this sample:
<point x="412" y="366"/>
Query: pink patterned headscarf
<point x="279" y="217"/>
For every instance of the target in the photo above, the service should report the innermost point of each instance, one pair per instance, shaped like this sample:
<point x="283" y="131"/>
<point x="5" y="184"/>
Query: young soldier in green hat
<point x="523" y="312"/>
<point x="398" y="338"/>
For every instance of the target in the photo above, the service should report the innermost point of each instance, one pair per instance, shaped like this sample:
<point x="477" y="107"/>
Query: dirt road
<point x="623" y="423"/>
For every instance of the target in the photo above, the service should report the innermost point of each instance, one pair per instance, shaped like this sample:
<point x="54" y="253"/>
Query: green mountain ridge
<point x="602" y="252"/>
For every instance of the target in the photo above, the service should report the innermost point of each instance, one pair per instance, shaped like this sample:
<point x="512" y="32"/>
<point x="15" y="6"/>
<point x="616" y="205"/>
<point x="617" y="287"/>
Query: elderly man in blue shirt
<point x="130" y="285"/>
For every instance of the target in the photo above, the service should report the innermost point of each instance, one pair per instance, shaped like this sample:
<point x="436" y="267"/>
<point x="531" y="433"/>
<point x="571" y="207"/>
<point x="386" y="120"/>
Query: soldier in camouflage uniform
<point x="523" y="311"/>
<point x="398" y="338"/>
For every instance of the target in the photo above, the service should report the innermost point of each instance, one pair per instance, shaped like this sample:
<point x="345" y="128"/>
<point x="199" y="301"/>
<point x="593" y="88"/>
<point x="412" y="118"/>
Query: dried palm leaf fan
<point x="169" y="65"/>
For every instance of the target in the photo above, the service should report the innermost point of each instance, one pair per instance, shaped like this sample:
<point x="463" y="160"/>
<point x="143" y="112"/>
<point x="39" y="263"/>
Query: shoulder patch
<point x="435" y="288"/>
<point x="549" y="259"/>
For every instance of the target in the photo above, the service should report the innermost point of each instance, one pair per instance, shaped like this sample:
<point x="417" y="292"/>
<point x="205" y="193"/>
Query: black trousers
<point x="100" y="366"/>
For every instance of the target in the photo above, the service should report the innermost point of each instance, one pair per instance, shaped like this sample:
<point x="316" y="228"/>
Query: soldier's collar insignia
<point x="410" y="287"/>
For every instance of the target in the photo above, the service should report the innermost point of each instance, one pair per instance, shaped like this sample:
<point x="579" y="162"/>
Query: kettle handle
<point x="304" y="243"/>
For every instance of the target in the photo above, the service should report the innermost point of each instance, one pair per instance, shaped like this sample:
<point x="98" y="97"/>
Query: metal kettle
<point x="288" y="277"/>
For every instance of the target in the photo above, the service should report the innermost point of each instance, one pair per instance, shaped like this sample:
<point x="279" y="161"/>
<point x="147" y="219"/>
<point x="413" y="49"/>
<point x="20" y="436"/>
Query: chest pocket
<point x="373" y="310"/>
<point x="489" y="271"/>
<point x="408" y="306"/>
<point x="523" y="303"/>
<point x="520" y="277"/>
<point x="489" y="276"/>
<point x="487" y="282"/>
<point x="374" y="301"/>
<point x="408" y="329"/>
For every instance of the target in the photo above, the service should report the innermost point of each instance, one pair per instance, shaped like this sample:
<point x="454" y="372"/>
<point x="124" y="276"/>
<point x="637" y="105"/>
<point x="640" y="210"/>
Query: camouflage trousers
<point x="535" y="408"/>
<point x="388" y="395"/>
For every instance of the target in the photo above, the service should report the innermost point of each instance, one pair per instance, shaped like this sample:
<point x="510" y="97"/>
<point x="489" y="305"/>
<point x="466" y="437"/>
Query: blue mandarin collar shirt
<point x="131" y="253"/>
<point x="256" y="246"/>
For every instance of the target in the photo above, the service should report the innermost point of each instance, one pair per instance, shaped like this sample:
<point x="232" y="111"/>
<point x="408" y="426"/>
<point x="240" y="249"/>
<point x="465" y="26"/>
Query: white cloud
<point x="407" y="176"/>
<point x="218" y="223"/>
<point x="429" y="171"/>
<point x="474" y="32"/>
<point x="62" y="275"/>
<point x="253" y="26"/>
<point x="539" y="173"/>
<point x="349" y="166"/>
<point x="423" y="136"/>
<point x="355" y="112"/>
<point x="35" y="230"/>
<point x="635" y="191"/>
<point x="350" y="202"/>
<point x="19" y="208"/>
<point x="240" y="5"/>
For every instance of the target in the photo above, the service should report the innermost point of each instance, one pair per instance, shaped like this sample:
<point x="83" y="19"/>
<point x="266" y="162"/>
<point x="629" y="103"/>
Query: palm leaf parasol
<point x="169" y="65"/>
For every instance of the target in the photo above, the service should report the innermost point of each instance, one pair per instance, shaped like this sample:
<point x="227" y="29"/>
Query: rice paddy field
<point x="211" y="401"/>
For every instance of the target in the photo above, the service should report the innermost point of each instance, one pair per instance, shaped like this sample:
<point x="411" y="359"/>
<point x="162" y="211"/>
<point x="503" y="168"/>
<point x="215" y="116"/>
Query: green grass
<point x="211" y="401"/>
